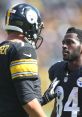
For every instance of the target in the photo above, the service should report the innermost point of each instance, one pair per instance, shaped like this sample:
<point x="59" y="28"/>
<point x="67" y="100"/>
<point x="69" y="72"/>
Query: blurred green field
<point x="43" y="72"/>
<point x="48" y="108"/>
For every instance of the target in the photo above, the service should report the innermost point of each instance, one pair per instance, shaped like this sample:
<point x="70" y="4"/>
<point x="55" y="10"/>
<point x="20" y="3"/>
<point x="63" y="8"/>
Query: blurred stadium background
<point x="57" y="15"/>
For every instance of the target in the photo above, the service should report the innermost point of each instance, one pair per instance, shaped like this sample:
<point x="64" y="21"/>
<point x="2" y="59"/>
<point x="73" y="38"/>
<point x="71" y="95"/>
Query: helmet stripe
<point x="8" y="16"/>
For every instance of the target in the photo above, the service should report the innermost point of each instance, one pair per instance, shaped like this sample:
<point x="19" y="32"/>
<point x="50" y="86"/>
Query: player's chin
<point x="65" y="57"/>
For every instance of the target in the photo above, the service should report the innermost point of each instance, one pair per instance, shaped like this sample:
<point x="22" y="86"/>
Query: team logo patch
<point x="79" y="82"/>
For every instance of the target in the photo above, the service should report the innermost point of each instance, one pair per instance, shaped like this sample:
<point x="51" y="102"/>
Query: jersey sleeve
<point x="24" y="63"/>
<point x="51" y="73"/>
<point x="54" y="70"/>
<point x="57" y="70"/>
<point x="24" y="73"/>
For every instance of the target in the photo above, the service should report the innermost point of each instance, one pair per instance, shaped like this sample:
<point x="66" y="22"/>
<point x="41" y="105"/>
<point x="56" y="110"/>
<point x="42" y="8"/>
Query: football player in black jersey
<point x="69" y="73"/>
<point x="20" y="91"/>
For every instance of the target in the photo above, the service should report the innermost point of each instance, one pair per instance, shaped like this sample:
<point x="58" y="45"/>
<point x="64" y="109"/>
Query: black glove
<point x="50" y="92"/>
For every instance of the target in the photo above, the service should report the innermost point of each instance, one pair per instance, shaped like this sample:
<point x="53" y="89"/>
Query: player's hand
<point x="50" y="92"/>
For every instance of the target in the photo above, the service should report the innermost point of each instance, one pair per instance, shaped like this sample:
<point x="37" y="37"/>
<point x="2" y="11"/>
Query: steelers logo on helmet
<point x="31" y="16"/>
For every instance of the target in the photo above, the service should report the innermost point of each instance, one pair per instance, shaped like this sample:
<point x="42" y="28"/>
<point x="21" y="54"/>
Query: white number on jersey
<point x="71" y="104"/>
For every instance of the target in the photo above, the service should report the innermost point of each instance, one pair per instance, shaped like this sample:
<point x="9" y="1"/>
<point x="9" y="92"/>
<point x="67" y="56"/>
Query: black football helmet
<point x="26" y="19"/>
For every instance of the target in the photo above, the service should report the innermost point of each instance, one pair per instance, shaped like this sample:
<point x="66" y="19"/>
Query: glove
<point x="50" y="92"/>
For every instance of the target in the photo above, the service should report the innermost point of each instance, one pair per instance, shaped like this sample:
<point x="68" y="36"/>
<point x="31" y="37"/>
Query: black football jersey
<point x="19" y="81"/>
<point x="69" y="90"/>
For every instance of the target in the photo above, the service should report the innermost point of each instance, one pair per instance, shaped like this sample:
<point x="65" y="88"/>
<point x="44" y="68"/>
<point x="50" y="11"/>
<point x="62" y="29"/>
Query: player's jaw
<point x="65" y="54"/>
<point x="71" y="55"/>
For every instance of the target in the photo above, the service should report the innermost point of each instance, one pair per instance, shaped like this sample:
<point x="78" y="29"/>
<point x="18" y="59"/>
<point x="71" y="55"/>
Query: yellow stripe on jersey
<point x="24" y="67"/>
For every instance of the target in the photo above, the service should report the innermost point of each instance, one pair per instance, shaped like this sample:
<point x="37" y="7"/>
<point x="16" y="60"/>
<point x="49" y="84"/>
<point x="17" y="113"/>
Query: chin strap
<point x="35" y="43"/>
<point x="39" y="42"/>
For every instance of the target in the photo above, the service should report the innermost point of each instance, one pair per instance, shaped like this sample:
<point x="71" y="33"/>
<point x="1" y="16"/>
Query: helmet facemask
<point x="35" y="27"/>
<point x="34" y="35"/>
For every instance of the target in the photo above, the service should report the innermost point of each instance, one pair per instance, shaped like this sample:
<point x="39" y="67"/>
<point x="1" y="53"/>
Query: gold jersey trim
<point x="24" y="67"/>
